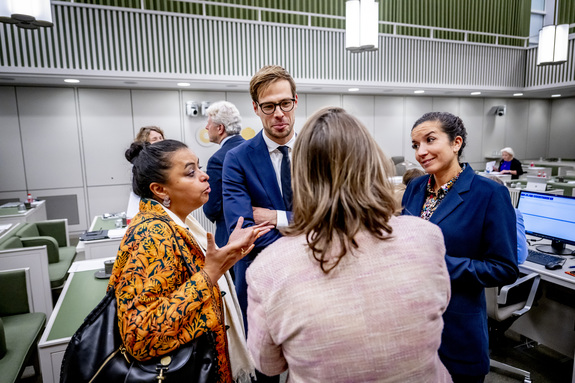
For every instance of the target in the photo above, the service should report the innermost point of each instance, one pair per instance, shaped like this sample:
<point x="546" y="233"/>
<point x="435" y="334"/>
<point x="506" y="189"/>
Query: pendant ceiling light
<point x="361" y="25"/>
<point x="553" y="43"/>
<point x="27" y="14"/>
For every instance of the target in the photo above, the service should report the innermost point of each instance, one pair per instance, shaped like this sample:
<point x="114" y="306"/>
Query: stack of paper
<point x="116" y="233"/>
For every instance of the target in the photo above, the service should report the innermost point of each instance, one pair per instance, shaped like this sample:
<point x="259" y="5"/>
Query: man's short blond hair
<point x="267" y="76"/>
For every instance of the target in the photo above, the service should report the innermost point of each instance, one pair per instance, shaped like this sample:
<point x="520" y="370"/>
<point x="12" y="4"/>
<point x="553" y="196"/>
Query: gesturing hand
<point x="241" y="242"/>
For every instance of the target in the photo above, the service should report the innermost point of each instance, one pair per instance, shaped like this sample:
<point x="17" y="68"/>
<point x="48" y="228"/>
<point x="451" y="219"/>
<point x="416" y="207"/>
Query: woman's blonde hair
<point x="340" y="186"/>
<point x="144" y="133"/>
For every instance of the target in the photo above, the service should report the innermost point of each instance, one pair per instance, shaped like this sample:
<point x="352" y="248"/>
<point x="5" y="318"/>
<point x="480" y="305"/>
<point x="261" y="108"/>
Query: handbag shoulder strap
<point x="188" y="267"/>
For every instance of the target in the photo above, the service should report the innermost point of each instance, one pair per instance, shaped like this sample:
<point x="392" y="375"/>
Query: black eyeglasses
<point x="270" y="107"/>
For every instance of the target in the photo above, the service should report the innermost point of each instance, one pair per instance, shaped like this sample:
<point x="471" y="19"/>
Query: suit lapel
<point x="259" y="156"/>
<point x="414" y="207"/>
<point x="454" y="197"/>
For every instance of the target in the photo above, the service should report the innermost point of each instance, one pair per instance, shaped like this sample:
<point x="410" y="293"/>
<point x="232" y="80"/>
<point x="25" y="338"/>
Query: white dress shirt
<point x="276" y="157"/>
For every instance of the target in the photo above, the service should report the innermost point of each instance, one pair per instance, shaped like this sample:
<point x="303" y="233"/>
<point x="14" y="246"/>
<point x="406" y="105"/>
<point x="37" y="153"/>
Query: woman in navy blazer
<point x="478" y="224"/>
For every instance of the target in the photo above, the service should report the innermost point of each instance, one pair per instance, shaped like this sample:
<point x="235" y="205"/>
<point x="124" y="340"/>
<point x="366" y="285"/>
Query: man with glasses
<point x="256" y="174"/>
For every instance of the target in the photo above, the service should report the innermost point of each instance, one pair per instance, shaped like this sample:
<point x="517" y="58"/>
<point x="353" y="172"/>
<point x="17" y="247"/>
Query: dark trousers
<point x="266" y="379"/>
<point x="467" y="378"/>
<point x="242" y="287"/>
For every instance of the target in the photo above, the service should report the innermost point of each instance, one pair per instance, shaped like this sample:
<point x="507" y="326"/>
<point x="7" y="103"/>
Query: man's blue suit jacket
<point x="213" y="209"/>
<point x="249" y="180"/>
<point x="479" y="227"/>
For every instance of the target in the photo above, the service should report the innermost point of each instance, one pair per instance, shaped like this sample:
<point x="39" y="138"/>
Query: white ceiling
<point x="304" y="86"/>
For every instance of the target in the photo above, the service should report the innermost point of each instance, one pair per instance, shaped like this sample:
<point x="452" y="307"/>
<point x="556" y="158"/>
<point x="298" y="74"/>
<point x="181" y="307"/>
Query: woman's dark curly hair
<point x="450" y="124"/>
<point x="151" y="164"/>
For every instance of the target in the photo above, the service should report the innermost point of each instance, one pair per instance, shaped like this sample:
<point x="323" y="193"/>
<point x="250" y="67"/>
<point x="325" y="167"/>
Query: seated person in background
<point x="334" y="300"/>
<point x="150" y="134"/>
<point x="407" y="177"/>
<point x="521" y="236"/>
<point x="411" y="174"/>
<point x="509" y="164"/>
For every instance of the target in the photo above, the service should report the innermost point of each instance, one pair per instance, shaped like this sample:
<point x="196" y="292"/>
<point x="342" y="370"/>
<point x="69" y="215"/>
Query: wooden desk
<point x="35" y="214"/>
<point x="81" y="293"/>
<point x="551" y="320"/>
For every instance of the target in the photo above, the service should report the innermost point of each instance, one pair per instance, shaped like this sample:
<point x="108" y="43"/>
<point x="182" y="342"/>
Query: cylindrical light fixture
<point x="553" y="44"/>
<point x="369" y="27"/>
<point x="361" y="25"/>
<point x="28" y="14"/>
<point x="352" y="22"/>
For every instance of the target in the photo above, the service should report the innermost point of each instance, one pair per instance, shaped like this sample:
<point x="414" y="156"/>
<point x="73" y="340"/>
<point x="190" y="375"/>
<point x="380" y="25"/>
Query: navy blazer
<point x="249" y="180"/>
<point x="213" y="209"/>
<point x="479" y="228"/>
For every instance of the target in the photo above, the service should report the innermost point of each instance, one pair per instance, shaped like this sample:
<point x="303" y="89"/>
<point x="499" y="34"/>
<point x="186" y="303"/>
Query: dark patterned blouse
<point x="433" y="199"/>
<point x="161" y="307"/>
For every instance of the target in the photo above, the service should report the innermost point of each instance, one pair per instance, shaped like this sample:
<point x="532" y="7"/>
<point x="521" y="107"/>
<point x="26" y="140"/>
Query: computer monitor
<point x="551" y="217"/>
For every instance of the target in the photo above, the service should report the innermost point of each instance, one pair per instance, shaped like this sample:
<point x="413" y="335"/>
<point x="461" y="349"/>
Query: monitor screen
<point x="549" y="216"/>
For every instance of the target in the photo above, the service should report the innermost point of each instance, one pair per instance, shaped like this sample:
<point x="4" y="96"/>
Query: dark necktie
<point x="285" y="176"/>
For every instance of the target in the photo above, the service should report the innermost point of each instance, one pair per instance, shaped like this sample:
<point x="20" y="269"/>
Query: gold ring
<point x="243" y="251"/>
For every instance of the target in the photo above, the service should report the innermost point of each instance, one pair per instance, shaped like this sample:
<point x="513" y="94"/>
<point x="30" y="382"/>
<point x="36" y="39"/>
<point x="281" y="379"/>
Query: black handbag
<point x="96" y="354"/>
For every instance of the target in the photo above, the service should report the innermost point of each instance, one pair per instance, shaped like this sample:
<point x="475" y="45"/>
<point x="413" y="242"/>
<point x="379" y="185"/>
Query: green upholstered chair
<point x="11" y="243"/>
<point x="54" y="235"/>
<point x="20" y="329"/>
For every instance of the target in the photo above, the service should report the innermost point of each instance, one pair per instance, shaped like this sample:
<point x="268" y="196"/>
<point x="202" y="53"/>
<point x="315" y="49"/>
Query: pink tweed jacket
<point x="377" y="317"/>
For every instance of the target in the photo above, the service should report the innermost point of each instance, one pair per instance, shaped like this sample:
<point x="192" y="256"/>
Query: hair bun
<point x="134" y="150"/>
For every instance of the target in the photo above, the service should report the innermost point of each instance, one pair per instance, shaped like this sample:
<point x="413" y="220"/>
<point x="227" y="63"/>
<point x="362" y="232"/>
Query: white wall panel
<point x="196" y="125"/>
<point x="243" y="102"/>
<point x="362" y="107"/>
<point x="301" y="112"/>
<point x="108" y="199"/>
<point x="517" y="126"/>
<point x="389" y="124"/>
<point x="493" y="126"/>
<point x="50" y="137"/>
<point x="446" y="104"/>
<point x="12" y="177"/>
<point x="317" y="101"/>
<point x="159" y="108"/>
<point x="471" y="113"/>
<point x="106" y="120"/>
<point x="561" y="132"/>
<point x="415" y="107"/>
<point x="538" y="129"/>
